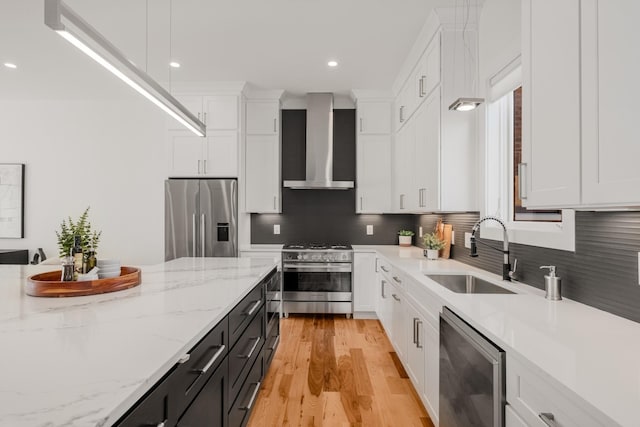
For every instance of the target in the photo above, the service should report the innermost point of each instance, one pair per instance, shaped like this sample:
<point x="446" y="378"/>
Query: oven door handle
<point x="318" y="268"/>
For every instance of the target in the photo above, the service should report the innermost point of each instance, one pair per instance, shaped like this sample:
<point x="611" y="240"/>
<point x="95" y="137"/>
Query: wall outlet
<point x="419" y="231"/>
<point x="276" y="228"/>
<point x="453" y="238"/>
<point x="369" y="230"/>
<point x="467" y="240"/>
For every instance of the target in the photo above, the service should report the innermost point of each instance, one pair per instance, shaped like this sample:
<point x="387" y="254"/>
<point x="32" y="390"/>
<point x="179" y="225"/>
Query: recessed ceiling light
<point x="10" y="65"/>
<point x="332" y="63"/>
<point x="174" y="64"/>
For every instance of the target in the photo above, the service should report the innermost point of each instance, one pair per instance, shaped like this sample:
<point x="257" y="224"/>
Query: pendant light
<point x="464" y="103"/>
<point x="64" y="21"/>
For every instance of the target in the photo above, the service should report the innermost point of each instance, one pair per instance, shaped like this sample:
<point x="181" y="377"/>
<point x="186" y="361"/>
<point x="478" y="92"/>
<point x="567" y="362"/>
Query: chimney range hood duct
<point x="319" y="172"/>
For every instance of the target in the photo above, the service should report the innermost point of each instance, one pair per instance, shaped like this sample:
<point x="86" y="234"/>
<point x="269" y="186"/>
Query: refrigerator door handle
<point x="202" y="234"/>
<point x="193" y="232"/>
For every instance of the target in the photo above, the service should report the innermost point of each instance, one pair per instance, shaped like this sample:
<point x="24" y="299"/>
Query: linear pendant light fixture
<point x="64" y="21"/>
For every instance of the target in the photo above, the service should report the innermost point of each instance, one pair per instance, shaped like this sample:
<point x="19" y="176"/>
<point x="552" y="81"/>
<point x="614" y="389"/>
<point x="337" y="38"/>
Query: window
<point x="503" y="152"/>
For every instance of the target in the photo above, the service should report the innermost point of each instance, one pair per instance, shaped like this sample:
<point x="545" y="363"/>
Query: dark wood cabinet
<point x="152" y="410"/>
<point x="209" y="408"/>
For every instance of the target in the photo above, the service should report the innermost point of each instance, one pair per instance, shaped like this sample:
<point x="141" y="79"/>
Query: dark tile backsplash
<point x="602" y="272"/>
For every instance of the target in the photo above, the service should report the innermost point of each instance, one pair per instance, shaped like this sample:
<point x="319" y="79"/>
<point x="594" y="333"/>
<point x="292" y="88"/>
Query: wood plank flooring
<point x="333" y="371"/>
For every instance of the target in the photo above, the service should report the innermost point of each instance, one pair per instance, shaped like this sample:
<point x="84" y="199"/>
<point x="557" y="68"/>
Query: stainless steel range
<point x="317" y="278"/>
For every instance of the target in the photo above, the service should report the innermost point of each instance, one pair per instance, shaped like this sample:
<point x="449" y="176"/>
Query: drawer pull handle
<point x="252" y="399"/>
<point x="275" y="343"/>
<point x="254" y="308"/>
<point x="395" y="297"/>
<point x="253" y="348"/>
<point x="384" y="269"/>
<point x="184" y="359"/>
<point x="396" y="279"/>
<point x="418" y="343"/>
<point x="548" y="419"/>
<point x="212" y="360"/>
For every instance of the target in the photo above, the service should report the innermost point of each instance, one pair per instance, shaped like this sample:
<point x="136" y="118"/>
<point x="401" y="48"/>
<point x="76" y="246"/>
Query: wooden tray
<point x="49" y="285"/>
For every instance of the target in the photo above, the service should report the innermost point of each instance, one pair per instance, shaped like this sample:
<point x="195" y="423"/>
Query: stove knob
<point x="299" y="256"/>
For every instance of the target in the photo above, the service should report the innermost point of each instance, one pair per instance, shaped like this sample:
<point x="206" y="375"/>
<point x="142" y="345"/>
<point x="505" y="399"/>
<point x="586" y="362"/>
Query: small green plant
<point x="405" y="233"/>
<point x="432" y="241"/>
<point x="82" y="227"/>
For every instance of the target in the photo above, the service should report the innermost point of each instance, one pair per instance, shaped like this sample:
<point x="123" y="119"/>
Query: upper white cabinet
<point x="610" y="94"/>
<point x="579" y="104"/>
<point x="213" y="156"/>
<point x="373" y="156"/>
<point x="426" y="182"/>
<point x="263" y="117"/>
<point x="262" y="157"/>
<point x="404" y="197"/>
<point x="374" y="117"/>
<point x="217" y="112"/>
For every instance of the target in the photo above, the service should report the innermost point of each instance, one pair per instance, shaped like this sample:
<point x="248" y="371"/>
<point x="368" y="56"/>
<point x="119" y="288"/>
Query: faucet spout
<point x="506" y="266"/>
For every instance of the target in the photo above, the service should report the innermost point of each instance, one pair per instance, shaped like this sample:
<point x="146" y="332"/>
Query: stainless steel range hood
<point x="319" y="172"/>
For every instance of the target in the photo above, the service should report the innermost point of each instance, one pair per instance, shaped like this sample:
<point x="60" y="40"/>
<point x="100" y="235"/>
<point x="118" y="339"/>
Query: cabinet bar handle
<point x="548" y="419"/>
<point x="274" y="202"/>
<point x="418" y="343"/>
<point x="253" y="308"/>
<point x="202" y="234"/>
<point x="384" y="268"/>
<point x="422" y="91"/>
<point x="212" y="360"/>
<point x="204" y="163"/>
<point x="253" y="348"/>
<point x="522" y="190"/>
<point x="402" y="201"/>
<point x="275" y="128"/>
<point x="382" y="283"/>
<point x="275" y="343"/>
<point x="395" y="297"/>
<point x="360" y="203"/>
<point x="199" y="161"/>
<point x="396" y="279"/>
<point x="361" y="124"/>
<point x="415" y="320"/>
<point x="252" y="399"/>
<point x="401" y="113"/>
<point x="193" y="240"/>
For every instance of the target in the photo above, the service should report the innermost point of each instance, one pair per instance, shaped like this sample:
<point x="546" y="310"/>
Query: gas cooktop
<point x="316" y="247"/>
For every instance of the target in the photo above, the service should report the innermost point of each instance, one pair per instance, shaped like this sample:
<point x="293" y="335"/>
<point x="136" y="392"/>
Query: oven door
<point x="317" y="282"/>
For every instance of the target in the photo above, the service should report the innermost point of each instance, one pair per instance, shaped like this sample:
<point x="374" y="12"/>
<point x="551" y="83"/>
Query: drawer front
<point x="209" y="408"/>
<point x="245" y="352"/>
<point x="530" y="396"/>
<point x="204" y="358"/>
<point x="152" y="410"/>
<point x="271" y="345"/>
<point x="244" y="312"/>
<point x="241" y="409"/>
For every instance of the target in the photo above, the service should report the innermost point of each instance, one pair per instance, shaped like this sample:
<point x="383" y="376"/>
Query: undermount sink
<point x="467" y="284"/>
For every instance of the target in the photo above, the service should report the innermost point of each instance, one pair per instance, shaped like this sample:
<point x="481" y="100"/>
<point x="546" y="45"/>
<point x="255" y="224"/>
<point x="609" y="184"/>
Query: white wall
<point x="108" y="154"/>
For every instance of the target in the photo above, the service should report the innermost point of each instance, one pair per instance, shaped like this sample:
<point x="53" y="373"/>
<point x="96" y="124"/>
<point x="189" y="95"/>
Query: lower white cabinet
<point x="364" y="282"/>
<point x="262" y="174"/>
<point x="399" y="338"/>
<point x="431" y="393"/>
<point x="385" y="304"/>
<point x="216" y="155"/>
<point x="415" y="347"/>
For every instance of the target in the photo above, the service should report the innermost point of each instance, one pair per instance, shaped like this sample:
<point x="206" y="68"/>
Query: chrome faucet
<point x="507" y="273"/>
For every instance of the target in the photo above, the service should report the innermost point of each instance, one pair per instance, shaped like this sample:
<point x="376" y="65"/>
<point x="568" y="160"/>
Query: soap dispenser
<point x="552" y="284"/>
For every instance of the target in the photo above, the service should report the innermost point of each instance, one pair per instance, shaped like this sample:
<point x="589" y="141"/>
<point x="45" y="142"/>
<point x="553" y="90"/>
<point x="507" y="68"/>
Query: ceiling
<point x="275" y="44"/>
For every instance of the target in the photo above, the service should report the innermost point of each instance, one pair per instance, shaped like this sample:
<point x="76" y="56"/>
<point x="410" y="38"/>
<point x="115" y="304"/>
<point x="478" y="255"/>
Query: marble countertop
<point x="585" y="351"/>
<point x="84" y="361"/>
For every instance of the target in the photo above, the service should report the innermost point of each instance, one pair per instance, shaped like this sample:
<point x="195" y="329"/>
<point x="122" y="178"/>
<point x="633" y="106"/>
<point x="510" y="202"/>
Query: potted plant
<point x="89" y="239"/>
<point x="404" y="237"/>
<point x="432" y="244"/>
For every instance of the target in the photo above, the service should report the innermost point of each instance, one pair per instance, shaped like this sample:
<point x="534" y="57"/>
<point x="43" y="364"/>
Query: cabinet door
<point x="209" y="408"/>
<point x="414" y="327"/>
<point x="431" y="392"/>
<point x="193" y="104"/>
<point x="432" y="66"/>
<point x="263" y="117"/>
<point x="399" y="338"/>
<point x="185" y="154"/>
<point x="373" y="174"/>
<point x="374" y="118"/>
<point x="551" y="102"/>
<point x="426" y="186"/>
<point x="385" y="304"/>
<point x="364" y="282"/>
<point x="221" y="112"/>
<point x="405" y="199"/>
<point x="221" y="157"/>
<point x="262" y="174"/>
<point x="610" y="69"/>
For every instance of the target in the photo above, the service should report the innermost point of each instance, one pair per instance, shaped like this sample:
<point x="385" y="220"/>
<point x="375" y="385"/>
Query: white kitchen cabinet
<point x="217" y="112"/>
<point x="374" y="117"/>
<point x="262" y="174"/>
<point x="431" y="60"/>
<point x="213" y="156"/>
<point x="364" y="282"/>
<point x="373" y="174"/>
<point x="398" y="315"/>
<point x="551" y="103"/>
<point x="415" y="365"/>
<point x="431" y="391"/>
<point x="610" y="108"/>
<point x="404" y="197"/>
<point x="384" y="305"/>
<point x="426" y="184"/>
<point x="263" y="117"/>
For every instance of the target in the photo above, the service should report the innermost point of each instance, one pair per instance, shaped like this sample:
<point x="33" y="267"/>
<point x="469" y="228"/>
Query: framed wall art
<point x="11" y="201"/>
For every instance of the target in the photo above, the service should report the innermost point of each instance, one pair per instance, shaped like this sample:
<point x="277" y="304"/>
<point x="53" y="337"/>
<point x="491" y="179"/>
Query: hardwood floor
<point x="333" y="371"/>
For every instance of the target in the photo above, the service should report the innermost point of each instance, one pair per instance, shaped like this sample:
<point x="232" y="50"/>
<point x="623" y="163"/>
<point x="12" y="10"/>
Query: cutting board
<point x="444" y="233"/>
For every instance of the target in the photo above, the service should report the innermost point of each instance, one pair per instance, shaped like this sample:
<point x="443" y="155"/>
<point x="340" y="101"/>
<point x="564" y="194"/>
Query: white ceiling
<point x="274" y="44"/>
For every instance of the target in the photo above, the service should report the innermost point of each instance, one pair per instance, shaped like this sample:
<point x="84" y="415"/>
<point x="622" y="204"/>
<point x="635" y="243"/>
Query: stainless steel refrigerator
<point x="201" y="218"/>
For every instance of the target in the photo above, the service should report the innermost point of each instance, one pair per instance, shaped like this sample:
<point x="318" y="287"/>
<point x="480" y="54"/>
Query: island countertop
<point x="84" y="361"/>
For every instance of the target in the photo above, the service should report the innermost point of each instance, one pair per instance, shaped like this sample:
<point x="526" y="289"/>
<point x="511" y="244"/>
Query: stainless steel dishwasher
<point x="472" y="376"/>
